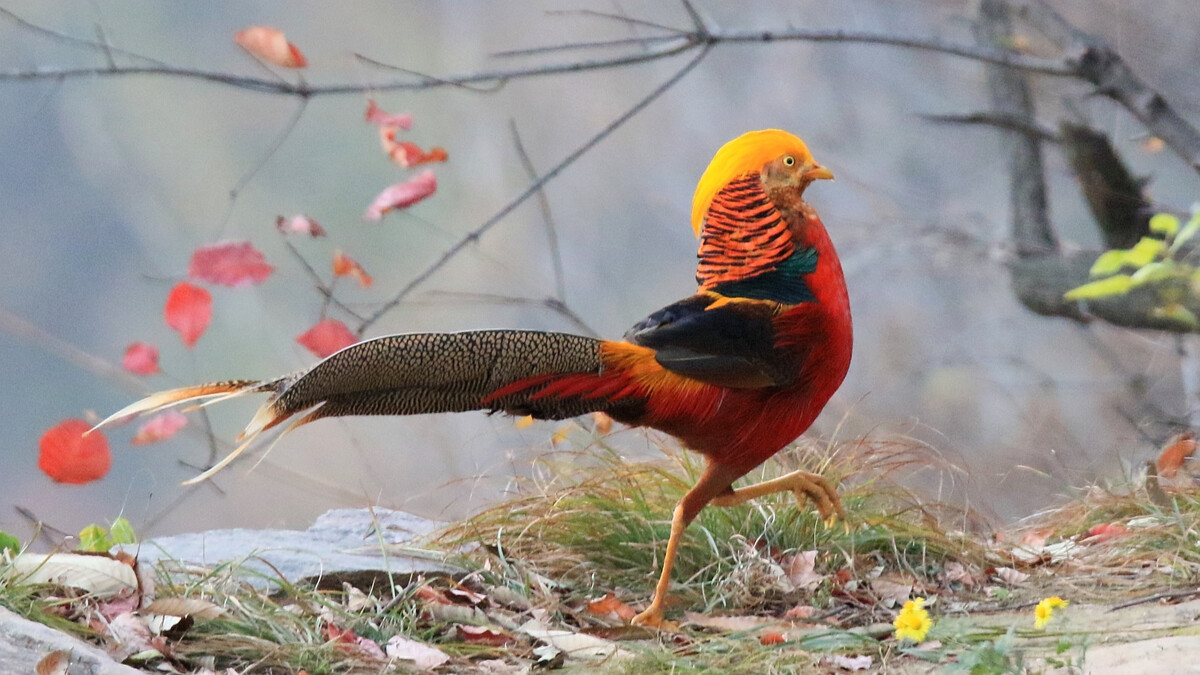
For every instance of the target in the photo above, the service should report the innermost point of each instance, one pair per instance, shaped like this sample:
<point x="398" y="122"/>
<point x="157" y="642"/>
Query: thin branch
<point x="547" y="216"/>
<point x="1008" y="122"/>
<point x="474" y="235"/>
<point x="684" y="42"/>
<point x="614" y="17"/>
<point x="320" y="284"/>
<point x="102" y="47"/>
<point x="497" y="86"/>
<point x="577" y="46"/>
<point x="280" y="139"/>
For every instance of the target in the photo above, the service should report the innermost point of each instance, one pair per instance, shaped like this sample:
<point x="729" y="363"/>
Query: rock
<point x="23" y="643"/>
<point x="341" y="540"/>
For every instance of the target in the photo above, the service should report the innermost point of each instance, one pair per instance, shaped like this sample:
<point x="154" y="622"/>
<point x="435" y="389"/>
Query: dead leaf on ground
<point x="101" y="575"/>
<point x="610" y="606"/>
<point x="800" y="570"/>
<point x="1173" y="456"/>
<point x="1010" y="576"/>
<point x="197" y="608"/>
<point x="54" y="663"/>
<point x="423" y="656"/>
<point x="575" y="645"/>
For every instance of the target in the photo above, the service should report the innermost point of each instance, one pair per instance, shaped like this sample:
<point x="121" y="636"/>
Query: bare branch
<point x="1000" y="121"/>
<point x="280" y="139"/>
<point x="1010" y="96"/>
<point x="547" y="216"/>
<point x="553" y="304"/>
<point x="474" y="235"/>
<point x="102" y="47"/>
<point x="1096" y="61"/>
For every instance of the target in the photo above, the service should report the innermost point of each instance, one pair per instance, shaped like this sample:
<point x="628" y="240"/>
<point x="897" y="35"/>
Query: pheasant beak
<point x="814" y="171"/>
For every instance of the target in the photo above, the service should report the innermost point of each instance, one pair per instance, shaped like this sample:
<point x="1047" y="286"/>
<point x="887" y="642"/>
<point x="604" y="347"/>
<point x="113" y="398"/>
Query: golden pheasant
<point x="736" y="371"/>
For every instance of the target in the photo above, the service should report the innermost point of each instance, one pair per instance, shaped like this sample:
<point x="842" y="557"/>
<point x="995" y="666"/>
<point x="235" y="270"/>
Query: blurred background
<point x="107" y="184"/>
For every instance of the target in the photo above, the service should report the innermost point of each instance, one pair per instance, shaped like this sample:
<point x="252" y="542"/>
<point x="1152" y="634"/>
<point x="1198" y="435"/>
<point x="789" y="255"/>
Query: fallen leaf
<point x="423" y="656"/>
<point x="1036" y="539"/>
<point x="1171" y="459"/>
<point x="229" y="263"/>
<point x="347" y="639"/>
<point x="127" y="635"/>
<point x="852" y="663"/>
<point x="299" y="224"/>
<point x="955" y="571"/>
<point x="402" y="195"/>
<point x="799" y="569"/>
<point x="767" y="639"/>
<point x="603" y="423"/>
<point x="432" y="595"/>
<point x="160" y="427"/>
<point x="68" y="456"/>
<point x="101" y="575"/>
<point x="326" y="337"/>
<point x="482" y="635"/>
<point x="893" y="591"/>
<point x="270" y="45"/>
<point x="609" y="605"/>
<point x="345" y="266"/>
<point x="575" y="645"/>
<point x="140" y="359"/>
<point x="1010" y="576"/>
<point x="523" y="422"/>
<point x="188" y="311"/>
<point x="464" y="595"/>
<point x="197" y="608"/>
<point x="800" y="611"/>
<point x="1104" y="532"/>
<point x="379" y="116"/>
<point x="54" y="663"/>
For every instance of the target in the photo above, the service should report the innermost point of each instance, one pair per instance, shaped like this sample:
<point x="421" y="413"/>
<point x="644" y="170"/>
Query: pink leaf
<point x="327" y="337"/>
<point x="67" y="456"/>
<point x="345" y="266"/>
<point x="160" y="427"/>
<point x="188" y="311"/>
<point x="270" y="45"/>
<point x="229" y="263"/>
<point x="300" y="224"/>
<point x="402" y="195"/>
<point x="379" y="116"/>
<point x="408" y="154"/>
<point x="141" y="359"/>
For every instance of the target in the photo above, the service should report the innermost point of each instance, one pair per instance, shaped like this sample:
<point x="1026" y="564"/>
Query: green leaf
<point x="1164" y="223"/>
<point x="1109" y="262"/>
<point x="1144" y="252"/>
<point x="94" y="538"/>
<point x="1155" y="271"/>
<point x="122" y="531"/>
<point x="1177" y="313"/>
<point x="9" y="543"/>
<point x="1188" y="231"/>
<point x="1104" y="288"/>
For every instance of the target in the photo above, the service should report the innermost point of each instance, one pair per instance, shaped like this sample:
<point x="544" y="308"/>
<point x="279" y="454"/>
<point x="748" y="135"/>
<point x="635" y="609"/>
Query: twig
<point x="473" y="236"/>
<point x="280" y="139"/>
<point x="614" y="17"/>
<point x="1022" y="125"/>
<point x="320" y="284"/>
<point x="547" y="216"/>
<point x="74" y="41"/>
<point x="553" y="304"/>
<point x="1170" y="595"/>
<point x="576" y="46"/>
<point x="20" y="328"/>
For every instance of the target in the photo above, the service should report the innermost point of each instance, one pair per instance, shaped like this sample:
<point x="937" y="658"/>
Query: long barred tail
<point x="519" y="372"/>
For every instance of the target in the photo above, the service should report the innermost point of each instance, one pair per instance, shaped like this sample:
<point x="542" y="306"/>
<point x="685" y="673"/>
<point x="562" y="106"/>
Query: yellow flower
<point x="1045" y="610"/>
<point x="913" y="622"/>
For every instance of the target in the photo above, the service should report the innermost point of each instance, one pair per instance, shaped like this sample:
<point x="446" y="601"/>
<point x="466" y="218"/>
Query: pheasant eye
<point x="789" y="160"/>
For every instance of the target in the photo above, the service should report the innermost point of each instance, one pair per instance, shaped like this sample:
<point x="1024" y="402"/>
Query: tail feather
<point x="548" y="375"/>
<point x="213" y="391"/>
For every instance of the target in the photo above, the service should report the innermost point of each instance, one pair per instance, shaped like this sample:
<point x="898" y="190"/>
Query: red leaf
<point x="67" y="456"/>
<point x="188" y="311"/>
<point x="270" y="45"/>
<point x="141" y="359"/>
<point x="402" y="195"/>
<point x="771" y="639"/>
<point x="1104" y="532"/>
<point x="229" y="263"/>
<point x="327" y="337"/>
<point x="300" y="224"/>
<point x="377" y="115"/>
<point x="160" y="427"/>
<point x="1171" y="459"/>
<point x="408" y="154"/>
<point x="345" y="266"/>
<point x="481" y="635"/>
